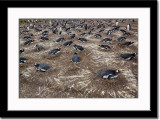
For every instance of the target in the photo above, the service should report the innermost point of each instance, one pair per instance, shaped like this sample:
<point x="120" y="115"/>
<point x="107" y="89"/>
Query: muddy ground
<point x="77" y="81"/>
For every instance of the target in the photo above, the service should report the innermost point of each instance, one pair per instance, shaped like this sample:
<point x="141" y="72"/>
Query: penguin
<point x="28" y="42"/>
<point x="128" y="27"/>
<point x="128" y="56"/>
<point x="60" y="39"/>
<point x="106" y="40"/>
<point x="75" y="58"/>
<point x="39" y="47"/>
<point x="44" y="38"/>
<point x="89" y="32"/>
<point x="92" y="29"/>
<point x="82" y="39"/>
<point x="82" y="34"/>
<point x="22" y="60"/>
<point x="105" y="47"/>
<point x="123" y="31"/>
<point x="67" y="29"/>
<point x="101" y="30"/>
<point x="115" y="28"/>
<point x="121" y="38"/>
<point x="127" y="43"/>
<point x="73" y="36"/>
<point x="78" y="30"/>
<point x="45" y="32"/>
<point x="109" y="32"/>
<point x="116" y="23"/>
<point x="78" y="47"/>
<point x="42" y="67"/>
<point x="108" y="74"/>
<point x="27" y="37"/>
<point x="54" y="51"/>
<point x="67" y="43"/>
<point x="127" y="34"/>
<point x="97" y="35"/>
<point x="21" y="51"/>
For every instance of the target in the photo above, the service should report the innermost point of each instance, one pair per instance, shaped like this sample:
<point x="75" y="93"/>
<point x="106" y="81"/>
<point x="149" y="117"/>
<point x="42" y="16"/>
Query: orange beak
<point x="121" y="72"/>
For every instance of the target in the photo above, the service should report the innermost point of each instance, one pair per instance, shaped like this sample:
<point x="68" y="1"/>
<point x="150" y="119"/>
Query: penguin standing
<point x="128" y="27"/>
<point x="75" y="58"/>
<point x="116" y="23"/>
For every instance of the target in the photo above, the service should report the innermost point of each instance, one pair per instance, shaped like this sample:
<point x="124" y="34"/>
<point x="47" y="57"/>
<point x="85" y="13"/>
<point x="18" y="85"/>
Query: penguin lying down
<point x="108" y="74"/>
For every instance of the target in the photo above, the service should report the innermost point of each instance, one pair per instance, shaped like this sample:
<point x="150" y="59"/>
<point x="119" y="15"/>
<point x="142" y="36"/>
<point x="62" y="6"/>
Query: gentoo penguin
<point x="89" y="32"/>
<point x="127" y="43"/>
<point x="22" y="60"/>
<point x="109" y="74"/>
<point x="28" y="42"/>
<point x="21" y="51"/>
<point x="82" y="34"/>
<point x="97" y="35"/>
<point x="121" y="38"/>
<point x="92" y="29"/>
<point x="127" y="34"/>
<point x="60" y="39"/>
<point x="82" y="39"/>
<point x="68" y="43"/>
<point x="54" y="51"/>
<point x="116" y="23"/>
<point x="128" y="27"/>
<point x="101" y="30"/>
<point x="78" y="30"/>
<point x="106" y="40"/>
<point x="105" y="47"/>
<point x="73" y="36"/>
<point x="128" y="56"/>
<point x="44" y="38"/>
<point x="27" y="37"/>
<point x="123" y="31"/>
<point x="78" y="47"/>
<point x="109" y="32"/>
<point x="39" y="47"/>
<point x="67" y="29"/>
<point x="115" y="28"/>
<point x="75" y="58"/>
<point x="42" y="67"/>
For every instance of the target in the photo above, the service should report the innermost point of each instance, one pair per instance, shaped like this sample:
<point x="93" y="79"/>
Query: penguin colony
<point x="43" y="42"/>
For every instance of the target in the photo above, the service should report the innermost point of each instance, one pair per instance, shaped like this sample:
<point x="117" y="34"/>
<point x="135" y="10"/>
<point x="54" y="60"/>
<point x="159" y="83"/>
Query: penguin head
<point x="75" y="53"/>
<point x="117" y="71"/>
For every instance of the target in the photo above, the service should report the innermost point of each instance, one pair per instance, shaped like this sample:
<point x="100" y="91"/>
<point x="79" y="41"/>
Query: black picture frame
<point x="85" y="114"/>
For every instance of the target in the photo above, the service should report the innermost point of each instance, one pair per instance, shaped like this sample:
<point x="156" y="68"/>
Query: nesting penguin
<point x="22" y="60"/>
<point x="68" y="43"/>
<point x="82" y="39"/>
<point x="78" y="47"/>
<point x="106" y="40"/>
<point x="54" y="51"/>
<point x="60" y="39"/>
<point x="28" y="42"/>
<point x="108" y="74"/>
<point x="44" y="38"/>
<point x="105" y="47"/>
<point x="109" y="32"/>
<point x="21" y="51"/>
<point x="73" y="36"/>
<point x="127" y="43"/>
<point x="75" y="58"/>
<point x="27" y="37"/>
<point x="97" y="35"/>
<point x="121" y="38"/>
<point x="128" y="56"/>
<point x="42" y="67"/>
<point x="39" y="47"/>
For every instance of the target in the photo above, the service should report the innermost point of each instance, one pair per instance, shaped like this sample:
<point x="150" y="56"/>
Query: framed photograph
<point x="80" y="59"/>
